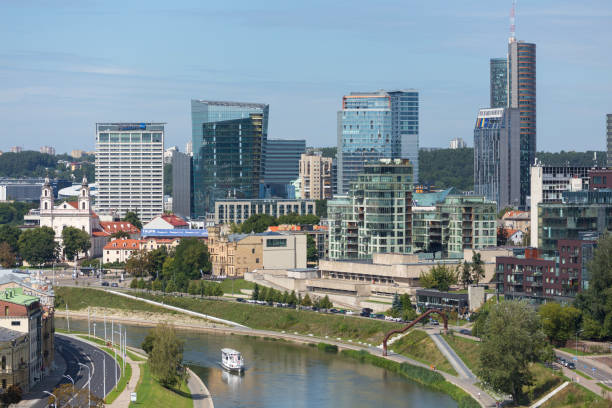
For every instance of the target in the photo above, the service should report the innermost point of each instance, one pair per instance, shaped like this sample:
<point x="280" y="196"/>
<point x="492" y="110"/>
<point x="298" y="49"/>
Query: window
<point x="256" y="260"/>
<point x="15" y="323"/>
<point x="252" y="250"/>
<point x="276" y="243"/>
<point x="6" y="310"/>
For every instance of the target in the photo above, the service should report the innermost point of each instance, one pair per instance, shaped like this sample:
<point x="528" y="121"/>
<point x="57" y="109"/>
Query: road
<point x="587" y="367"/>
<point x="74" y="352"/>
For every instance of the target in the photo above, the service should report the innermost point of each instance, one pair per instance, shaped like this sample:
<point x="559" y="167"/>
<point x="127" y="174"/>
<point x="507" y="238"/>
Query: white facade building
<point x="130" y="169"/>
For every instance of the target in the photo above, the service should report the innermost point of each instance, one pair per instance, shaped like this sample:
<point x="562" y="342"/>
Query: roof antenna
<point x="513" y="22"/>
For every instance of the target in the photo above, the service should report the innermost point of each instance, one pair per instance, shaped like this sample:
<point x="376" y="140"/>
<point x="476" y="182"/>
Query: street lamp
<point x="576" y="344"/>
<point x="54" y="398"/>
<point x="71" y="380"/>
<point x="88" y="383"/>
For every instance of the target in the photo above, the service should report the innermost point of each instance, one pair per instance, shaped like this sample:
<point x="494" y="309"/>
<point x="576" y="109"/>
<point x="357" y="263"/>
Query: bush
<point x="328" y="348"/>
<point x="12" y="395"/>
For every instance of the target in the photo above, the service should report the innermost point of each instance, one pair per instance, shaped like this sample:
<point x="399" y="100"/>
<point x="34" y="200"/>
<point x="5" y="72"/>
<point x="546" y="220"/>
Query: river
<point x="283" y="374"/>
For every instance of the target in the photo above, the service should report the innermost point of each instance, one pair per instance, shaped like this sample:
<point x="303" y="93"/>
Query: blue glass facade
<point x="282" y="166"/>
<point x="499" y="82"/>
<point x="229" y="140"/>
<point x="376" y="125"/>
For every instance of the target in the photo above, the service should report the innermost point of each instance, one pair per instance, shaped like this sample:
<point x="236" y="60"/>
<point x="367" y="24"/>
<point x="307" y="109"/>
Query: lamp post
<point x="54" y="398"/>
<point x="71" y="380"/>
<point x="576" y="344"/>
<point x="94" y="325"/>
<point x="88" y="383"/>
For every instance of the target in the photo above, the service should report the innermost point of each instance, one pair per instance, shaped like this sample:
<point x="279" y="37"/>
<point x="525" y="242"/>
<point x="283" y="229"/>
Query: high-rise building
<point x="48" y="150"/>
<point x="130" y="169"/>
<point x="499" y="82"/>
<point x="376" y="217"/>
<point x="181" y="184"/>
<point x="189" y="148"/>
<point x="16" y="149"/>
<point x="229" y="140"/>
<point x="457" y="143"/>
<point x="497" y="167"/>
<point x="77" y="154"/>
<point x="375" y="125"/>
<point x="282" y="166"/>
<point x="609" y="132"/>
<point x="315" y="176"/>
<point x="522" y="96"/>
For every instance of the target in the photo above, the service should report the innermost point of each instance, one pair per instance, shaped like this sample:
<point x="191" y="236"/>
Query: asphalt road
<point x="587" y="368"/>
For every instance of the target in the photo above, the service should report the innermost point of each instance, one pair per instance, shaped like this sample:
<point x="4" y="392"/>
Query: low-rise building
<point x="166" y="221"/>
<point x="516" y="220"/>
<point x="120" y="250"/>
<point x="237" y="211"/>
<point x="14" y="357"/>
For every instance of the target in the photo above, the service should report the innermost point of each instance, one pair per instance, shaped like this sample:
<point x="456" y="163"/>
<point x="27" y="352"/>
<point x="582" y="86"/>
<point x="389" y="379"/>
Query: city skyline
<point x="70" y="81"/>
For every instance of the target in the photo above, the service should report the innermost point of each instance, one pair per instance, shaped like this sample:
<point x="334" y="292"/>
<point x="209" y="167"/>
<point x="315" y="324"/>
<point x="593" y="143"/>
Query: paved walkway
<point x="451" y="356"/>
<point x="36" y="396"/>
<point x="199" y="393"/>
<point x="590" y="385"/>
<point x="548" y="396"/>
<point x="123" y="400"/>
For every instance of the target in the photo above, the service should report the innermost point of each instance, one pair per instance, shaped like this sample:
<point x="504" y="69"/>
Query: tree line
<point x="442" y="277"/>
<point x="34" y="164"/>
<point x="265" y="294"/>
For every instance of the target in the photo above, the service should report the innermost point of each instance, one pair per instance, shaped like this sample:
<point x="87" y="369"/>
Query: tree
<point x="171" y="287"/>
<point x="255" y="294"/>
<point x="37" y="246"/>
<point x="312" y="253"/>
<point x="10" y="235"/>
<point x="306" y="301"/>
<point x="137" y="264"/>
<point x="292" y="299"/>
<point x="512" y="339"/>
<point x="120" y="235"/>
<point x="7" y="256"/>
<point x="75" y="241"/>
<point x="396" y="305"/>
<point x="168" y="179"/>
<point x="325" y="303"/>
<point x="147" y="343"/>
<point x="439" y="277"/>
<point x="190" y="261"/>
<point x="133" y="219"/>
<point x="321" y="208"/>
<point x="12" y="395"/>
<point x="257" y="223"/>
<point x="134" y="284"/>
<point x="155" y="261"/>
<point x="478" y="271"/>
<point x="560" y="323"/>
<point x="166" y="356"/>
<point x="502" y="236"/>
<point x="465" y="274"/>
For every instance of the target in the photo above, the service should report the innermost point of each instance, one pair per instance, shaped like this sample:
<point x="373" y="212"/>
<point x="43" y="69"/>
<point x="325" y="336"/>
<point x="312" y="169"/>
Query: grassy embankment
<point x="152" y="394"/>
<point x="575" y="396"/>
<point x="423" y="376"/>
<point x="100" y="341"/>
<point x="419" y="346"/>
<point x="238" y="285"/>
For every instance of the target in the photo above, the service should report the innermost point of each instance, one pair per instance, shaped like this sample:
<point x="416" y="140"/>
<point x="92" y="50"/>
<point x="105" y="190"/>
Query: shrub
<point x="328" y="348"/>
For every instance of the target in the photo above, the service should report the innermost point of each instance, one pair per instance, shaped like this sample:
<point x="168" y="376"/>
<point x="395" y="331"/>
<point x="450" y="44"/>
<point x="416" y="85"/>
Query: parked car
<point x="239" y="300"/>
<point x="466" y="332"/>
<point x="571" y="365"/>
<point x="366" y="312"/>
<point x="105" y="283"/>
<point x="434" y="322"/>
<point x="114" y="285"/>
<point x="350" y="313"/>
<point x="334" y="311"/>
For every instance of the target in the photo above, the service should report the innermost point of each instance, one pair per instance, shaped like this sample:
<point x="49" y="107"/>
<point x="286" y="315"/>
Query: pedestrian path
<point x="451" y="356"/>
<point x="199" y="393"/>
<point x="123" y="400"/>
<point x="548" y="396"/>
<point x="36" y="395"/>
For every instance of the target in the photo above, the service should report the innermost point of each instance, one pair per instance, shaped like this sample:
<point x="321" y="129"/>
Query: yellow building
<point x="14" y="350"/>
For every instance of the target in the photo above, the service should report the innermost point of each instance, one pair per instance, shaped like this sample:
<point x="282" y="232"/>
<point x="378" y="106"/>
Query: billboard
<point x="175" y="233"/>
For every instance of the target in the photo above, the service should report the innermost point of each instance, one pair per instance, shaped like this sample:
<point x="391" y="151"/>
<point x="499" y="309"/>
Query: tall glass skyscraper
<point x="499" y="82"/>
<point x="609" y="135"/>
<point x="282" y="166"/>
<point x="522" y="95"/>
<point x="229" y="140"/>
<point x="375" y="125"/>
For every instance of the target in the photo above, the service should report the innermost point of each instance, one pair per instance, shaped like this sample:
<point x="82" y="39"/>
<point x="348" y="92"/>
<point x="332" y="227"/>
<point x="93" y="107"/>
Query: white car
<point x="350" y="312"/>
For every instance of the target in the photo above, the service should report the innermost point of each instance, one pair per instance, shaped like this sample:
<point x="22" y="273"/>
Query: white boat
<point x="232" y="360"/>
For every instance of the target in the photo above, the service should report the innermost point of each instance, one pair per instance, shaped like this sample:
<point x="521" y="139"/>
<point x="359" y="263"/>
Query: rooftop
<point x="10" y="335"/>
<point x="15" y="295"/>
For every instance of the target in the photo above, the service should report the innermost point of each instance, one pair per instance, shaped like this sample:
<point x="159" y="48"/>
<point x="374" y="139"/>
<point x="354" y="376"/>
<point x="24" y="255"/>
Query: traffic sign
<point x="133" y="397"/>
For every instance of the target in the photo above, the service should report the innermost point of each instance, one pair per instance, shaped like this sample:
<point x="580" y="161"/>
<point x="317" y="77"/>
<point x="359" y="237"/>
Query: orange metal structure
<point x="412" y="323"/>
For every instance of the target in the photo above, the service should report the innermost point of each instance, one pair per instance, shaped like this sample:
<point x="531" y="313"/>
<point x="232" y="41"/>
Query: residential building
<point x="229" y="140"/>
<point x="16" y="149"/>
<point x="237" y="211"/>
<point x="168" y="154"/>
<point x="114" y="227"/>
<point x="282" y="166"/>
<point x="522" y="96"/>
<point x="315" y="173"/>
<point x="516" y="220"/>
<point x="189" y="148"/>
<point x="609" y="134"/>
<point x="77" y="154"/>
<point x="120" y="250"/>
<point x="166" y="221"/>
<point x="379" y="216"/>
<point x="48" y="150"/>
<point x="600" y="178"/>
<point x="579" y="212"/>
<point x="129" y="169"/>
<point x="499" y="82"/>
<point x="14" y="355"/>
<point x="548" y="183"/>
<point x="497" y="156"/>
<point x="23" y="313"/>
<point x="376" y="125"/>
<point x="457" y="143"/>
<point x="317" y="232"/>
<point x="153" y="243"/>
<point x="181" y="184"/>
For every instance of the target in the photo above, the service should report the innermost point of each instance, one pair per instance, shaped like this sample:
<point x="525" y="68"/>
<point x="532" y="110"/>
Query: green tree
<point x="312" y="253"/>
<point x="325" y="303"/>
<point x="155" y="261"/>
<point x="321" y="208"/>
<point x="7" y="256"/>
<point x="447" y="168"/>
<point x="512" y="339"/>
<point x="166" y="356"/>
<point x="396" y="305"/>
<point x="168" y="179"/>
<point x="157" y="285"/>
<point x="465" y="274"/>
<point x="75" y="241"/>
<point x="478" y="271"/>
<point x="37" y="246"/>
<point x="10" y="235"/>
<point x="120" y="235"/>
<point x="560" y="323"/>
<point x="134" y="283"/>
<point x="191" y="259"/>
<point x="137" y="264"/>
<point x="133" y="219"/>
<point x="255" y="294"/>
<point x="439" y="277"/>
<point x="306" y="301"/>
<point x="406" y="302"/>
<point x="257" y="223"/>
<point x="147" y="343"/>
<point x="171" y="287"/>
<point x="292" y="300"/>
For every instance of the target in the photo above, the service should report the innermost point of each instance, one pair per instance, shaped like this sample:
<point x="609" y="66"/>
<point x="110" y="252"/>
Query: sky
<point x="67" y="64"/>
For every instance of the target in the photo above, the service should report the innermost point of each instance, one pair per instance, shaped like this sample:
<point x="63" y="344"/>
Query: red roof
<point x="128" y="244"/>
<point x="110" y="227"/>
<point x="174" y="220"/>
<point x="74" y="204"/>
<point x="516" y="214"/>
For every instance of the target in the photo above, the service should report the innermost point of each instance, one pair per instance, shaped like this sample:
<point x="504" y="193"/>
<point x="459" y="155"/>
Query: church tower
<point x="46" y="197"/>
<point x="84" y="200"/>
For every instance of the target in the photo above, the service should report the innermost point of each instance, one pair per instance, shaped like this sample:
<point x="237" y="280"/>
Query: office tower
<point x="282" y="166"/>
<point x="457" y="143"/>
<point x="315" y="176"/>
<point x="48" y="150"/>
<point x="130" y="169"/>
<point x="497" y="166"/>
<point x="181" y="184"/>
<point x="375" y="125"/>
<point x="609" y="131"/>
<point x="499" y="82"/>
<point x="16" y="149"/>
<point x="376" y="217"/>
<point x="522" y="96"/>
<point x="229" y="140"/>
<point x="188" y="148"/>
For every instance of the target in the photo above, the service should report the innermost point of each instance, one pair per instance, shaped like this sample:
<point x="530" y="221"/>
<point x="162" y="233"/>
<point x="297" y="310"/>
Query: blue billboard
<point x="175" y="233"/>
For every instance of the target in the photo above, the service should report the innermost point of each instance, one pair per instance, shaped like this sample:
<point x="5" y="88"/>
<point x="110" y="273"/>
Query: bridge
<point x="440" y="312"/>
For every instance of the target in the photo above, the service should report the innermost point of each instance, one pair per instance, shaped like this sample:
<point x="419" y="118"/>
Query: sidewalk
<point x="123" y="400"/>
<point x="451" y="356"/>
<point x="48" y="384"/>
<point x="199" y="393"/>
<point x="590" y="385"/>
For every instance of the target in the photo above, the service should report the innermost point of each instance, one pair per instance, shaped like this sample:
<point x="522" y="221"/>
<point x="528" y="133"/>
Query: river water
<point x="282" y="374"/>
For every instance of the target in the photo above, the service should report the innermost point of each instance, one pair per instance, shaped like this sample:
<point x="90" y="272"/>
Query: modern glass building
<point x="375" y="125"/>
<point x="129" y="169"/>
<point x="499" y="82"/>
<point x="609" y="134"/>
<point x="229" y="140"/>
<point x="282" y="166"/>
<point x="522" y="96"/>
<point x="497" y="167"/>
<point x="181" y="184"/>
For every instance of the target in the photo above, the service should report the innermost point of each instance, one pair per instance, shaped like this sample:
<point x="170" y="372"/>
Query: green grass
<point x="428" y="378"/>
<point x="468" y="350"/>
<point x="125" y="377"/>
<point x="544" y="381"/>
<point x="572" y="351"/>
<point x="419" y="346"/>
<point x="97" y="340"/>
<point x="574" y="396"/>
<point x="152" y="394"/>
<point x="290" y="320"/>
<point x="580" y="373"/>
<point x="604" y="386"/>
<point x="239" y="284"/>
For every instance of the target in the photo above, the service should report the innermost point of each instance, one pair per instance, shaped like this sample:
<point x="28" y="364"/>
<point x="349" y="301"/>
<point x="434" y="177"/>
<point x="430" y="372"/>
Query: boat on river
<point x="232" y="360"/>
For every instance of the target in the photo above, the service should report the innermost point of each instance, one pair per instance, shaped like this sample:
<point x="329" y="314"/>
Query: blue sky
<point x="67" y="64"/>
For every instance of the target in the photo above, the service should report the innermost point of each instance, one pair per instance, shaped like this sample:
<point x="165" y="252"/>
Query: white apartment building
<point x="315" y="176"/>
<point x="130" y="169"/>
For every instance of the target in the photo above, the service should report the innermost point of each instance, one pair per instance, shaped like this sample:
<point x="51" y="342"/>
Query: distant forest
<point x="35" y="164"/>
